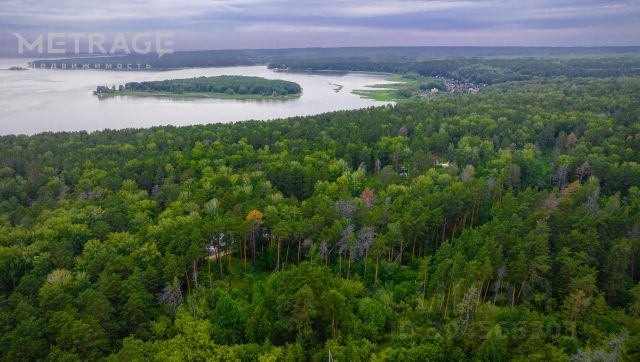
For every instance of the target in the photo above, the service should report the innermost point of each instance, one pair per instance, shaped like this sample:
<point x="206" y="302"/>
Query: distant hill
<point x="477" y="64"/>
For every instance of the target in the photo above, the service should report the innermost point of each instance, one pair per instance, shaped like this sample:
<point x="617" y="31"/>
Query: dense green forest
<point x="487" y="70"/>
<point x="498" y="226"/>
<point x="341" y="58"/>
<point x="470" y="64"/>
<point x="224" y="84"/>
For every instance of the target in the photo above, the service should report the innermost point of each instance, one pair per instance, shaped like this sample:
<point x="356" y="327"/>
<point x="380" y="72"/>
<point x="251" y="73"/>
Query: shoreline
<point x="197" y="95"/>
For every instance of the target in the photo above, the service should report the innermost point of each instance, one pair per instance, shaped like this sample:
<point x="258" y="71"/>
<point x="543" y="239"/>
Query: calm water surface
<point x="35" y="100"/>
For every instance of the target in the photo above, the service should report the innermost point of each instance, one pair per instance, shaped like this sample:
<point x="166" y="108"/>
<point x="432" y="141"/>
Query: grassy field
<point x="383" y="95"/>
<point x="402" y="89"/>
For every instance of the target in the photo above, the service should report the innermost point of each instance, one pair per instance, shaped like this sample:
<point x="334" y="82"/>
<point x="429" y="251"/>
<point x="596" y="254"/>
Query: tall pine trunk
<point x="219" y="257"/>
<point x="278" y="258"/>
<point x="244" y="252"/>
<point x="253" y="242"/>
<point x="413" y="249"/>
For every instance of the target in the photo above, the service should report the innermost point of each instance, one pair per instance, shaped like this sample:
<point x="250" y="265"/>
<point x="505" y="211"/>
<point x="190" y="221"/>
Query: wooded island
<point x="224" y="86"/>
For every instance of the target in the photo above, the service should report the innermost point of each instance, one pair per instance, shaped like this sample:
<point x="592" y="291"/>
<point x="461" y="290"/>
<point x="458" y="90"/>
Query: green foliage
<point x="227" y="84"/>
<point x="432" y="83"/>
<point x="497" y="226"/>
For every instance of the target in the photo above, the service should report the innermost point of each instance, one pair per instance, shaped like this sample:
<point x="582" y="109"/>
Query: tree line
<point x="226" y="84"/>
<point x="481" y="65"/>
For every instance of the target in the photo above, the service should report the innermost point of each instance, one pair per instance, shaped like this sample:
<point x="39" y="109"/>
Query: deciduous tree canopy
<point x="498" y="226"/>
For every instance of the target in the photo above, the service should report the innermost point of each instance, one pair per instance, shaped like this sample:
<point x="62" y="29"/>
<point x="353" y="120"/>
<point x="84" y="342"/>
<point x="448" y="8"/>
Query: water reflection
<point x="39" y="100"/>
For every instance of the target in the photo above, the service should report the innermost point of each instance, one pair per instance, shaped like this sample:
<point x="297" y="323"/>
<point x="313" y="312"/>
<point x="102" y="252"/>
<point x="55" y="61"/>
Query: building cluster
<point x="453" y="86"/>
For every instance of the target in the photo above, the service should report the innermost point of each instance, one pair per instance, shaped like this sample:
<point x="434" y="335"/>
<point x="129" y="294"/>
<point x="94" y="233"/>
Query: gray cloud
<point x="274" y="23"/>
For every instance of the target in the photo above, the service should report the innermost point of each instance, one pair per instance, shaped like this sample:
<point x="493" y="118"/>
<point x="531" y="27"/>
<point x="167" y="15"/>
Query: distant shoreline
<point x="197" y="95"/>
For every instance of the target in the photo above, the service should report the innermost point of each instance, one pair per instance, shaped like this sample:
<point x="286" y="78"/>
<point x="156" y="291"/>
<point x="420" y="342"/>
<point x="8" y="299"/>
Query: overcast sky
<point x="216" y="24"/>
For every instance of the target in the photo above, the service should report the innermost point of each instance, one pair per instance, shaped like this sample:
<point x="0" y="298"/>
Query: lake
<point x="39" y="100"/>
